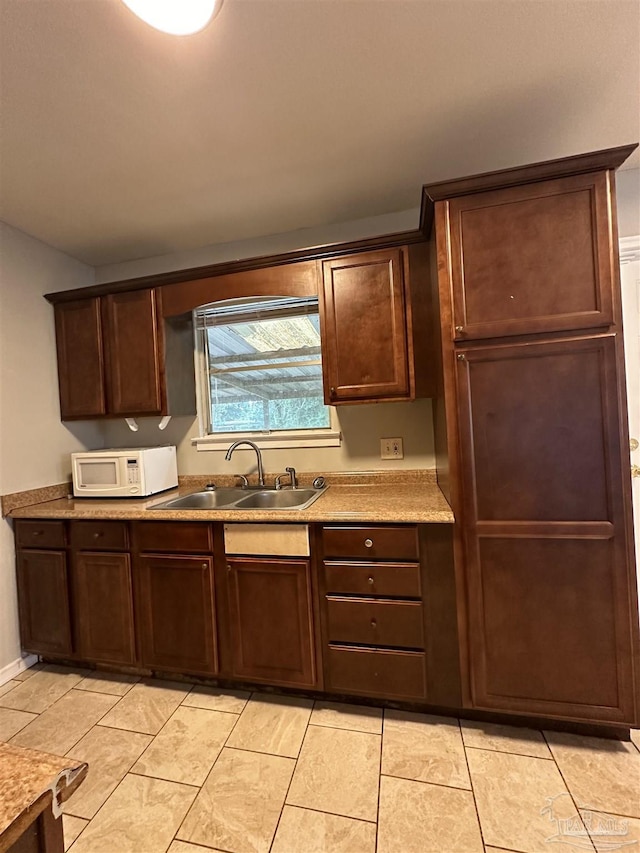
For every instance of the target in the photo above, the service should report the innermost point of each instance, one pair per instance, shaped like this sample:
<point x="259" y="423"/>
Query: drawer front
<point x="183" y="537"/>
<point x="99" y="535"/>
<point x="375" y="623"/>
<point x="40" y="534"/>
<point x="391" y="542"/>
<point x="381" y="579"/>
<point x="376" y="673"/>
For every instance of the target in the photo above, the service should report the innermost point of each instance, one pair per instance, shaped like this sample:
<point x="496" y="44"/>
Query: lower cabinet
<point x="43" y="595"/>
<point x="271" y="615"/>
<point x="103" y="607"/>
<point x="175" y="613"/>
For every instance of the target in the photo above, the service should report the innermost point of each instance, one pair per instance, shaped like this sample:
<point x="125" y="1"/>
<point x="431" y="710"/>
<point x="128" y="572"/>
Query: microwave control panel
<point x="133" y="472"/>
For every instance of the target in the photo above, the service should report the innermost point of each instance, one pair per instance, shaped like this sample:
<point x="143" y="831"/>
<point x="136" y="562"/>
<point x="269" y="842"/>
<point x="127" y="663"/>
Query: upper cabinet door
<point x="80" y="364"/>
<point x="533" y="258"/>
<point x="133" y="353"/>
<point x="364" y="331"/>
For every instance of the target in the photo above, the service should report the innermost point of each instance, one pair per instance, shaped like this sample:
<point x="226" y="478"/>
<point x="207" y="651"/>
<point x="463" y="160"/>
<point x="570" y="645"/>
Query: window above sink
<point x="260" y="374"/>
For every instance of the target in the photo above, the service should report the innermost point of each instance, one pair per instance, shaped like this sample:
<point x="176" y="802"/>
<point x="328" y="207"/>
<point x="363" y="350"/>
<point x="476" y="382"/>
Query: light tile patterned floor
<point x="181" y="769"/>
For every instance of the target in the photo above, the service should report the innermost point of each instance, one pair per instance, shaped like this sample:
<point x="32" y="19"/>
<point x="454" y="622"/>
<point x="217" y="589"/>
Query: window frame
<point x="330" y="436"/>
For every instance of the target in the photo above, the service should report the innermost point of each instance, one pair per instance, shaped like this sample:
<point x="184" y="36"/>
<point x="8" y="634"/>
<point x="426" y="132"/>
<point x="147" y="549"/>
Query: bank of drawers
<point x="374" y="619"/>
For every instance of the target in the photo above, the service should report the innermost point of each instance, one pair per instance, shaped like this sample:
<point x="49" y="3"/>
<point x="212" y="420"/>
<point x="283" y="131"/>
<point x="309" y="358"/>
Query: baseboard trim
<point x="16" y="667"/>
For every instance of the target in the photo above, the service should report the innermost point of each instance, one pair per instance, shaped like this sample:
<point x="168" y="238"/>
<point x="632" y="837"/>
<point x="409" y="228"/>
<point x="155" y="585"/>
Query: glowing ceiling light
<point x="178" y="17"/>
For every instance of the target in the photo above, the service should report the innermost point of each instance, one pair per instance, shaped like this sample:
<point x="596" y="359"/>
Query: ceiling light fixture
<point x="177" y="17"/>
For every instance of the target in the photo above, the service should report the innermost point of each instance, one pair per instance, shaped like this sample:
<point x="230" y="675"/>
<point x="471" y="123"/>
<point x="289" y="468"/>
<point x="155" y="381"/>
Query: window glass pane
<point x="264" y="366"/>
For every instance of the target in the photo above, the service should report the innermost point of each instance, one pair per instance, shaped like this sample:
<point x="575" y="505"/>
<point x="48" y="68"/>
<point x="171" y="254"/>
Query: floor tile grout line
<point x="131" y="772"/>
<point x="222" y="748"/>
<point x="569" y="791"/>
<point x="473" y="793"/>
<point x="379" y="780"/>
<point x="427" y="782"/>
<point x="293" y="772"/>
<point x="508" y="752"/>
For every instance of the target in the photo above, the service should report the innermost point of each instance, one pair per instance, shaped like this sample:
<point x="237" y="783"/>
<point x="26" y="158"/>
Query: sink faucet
<point x="291" y="473"/>
<point x="258" y="454"/>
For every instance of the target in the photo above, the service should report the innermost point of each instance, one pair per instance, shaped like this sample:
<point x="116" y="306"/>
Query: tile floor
<point x="182" y="769"/>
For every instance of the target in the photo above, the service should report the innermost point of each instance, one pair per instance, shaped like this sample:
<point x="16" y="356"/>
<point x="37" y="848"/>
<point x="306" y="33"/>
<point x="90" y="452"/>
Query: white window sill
<point x="273" y="441"/>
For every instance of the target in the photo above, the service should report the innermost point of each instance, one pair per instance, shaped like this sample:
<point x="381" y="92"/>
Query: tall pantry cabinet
<point x="532" y="442"/>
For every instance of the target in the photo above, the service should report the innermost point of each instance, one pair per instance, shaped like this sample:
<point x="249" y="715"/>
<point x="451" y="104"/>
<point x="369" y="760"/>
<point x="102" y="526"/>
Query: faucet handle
<point x="294" y="480"/>
<point x="245" y="482"/>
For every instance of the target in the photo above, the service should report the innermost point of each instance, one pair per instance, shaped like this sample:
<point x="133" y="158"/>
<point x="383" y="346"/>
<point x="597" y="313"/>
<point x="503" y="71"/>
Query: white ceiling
<point x="120" y="142"/>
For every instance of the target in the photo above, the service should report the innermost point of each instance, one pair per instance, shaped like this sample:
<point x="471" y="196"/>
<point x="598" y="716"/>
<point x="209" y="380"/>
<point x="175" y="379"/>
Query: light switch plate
<point x="391" y="448"/>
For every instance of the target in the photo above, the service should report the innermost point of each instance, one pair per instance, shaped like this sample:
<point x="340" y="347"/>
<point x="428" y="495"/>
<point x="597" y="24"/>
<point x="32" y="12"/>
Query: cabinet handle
<point x="332" y="391"/>
<point x="374" y="623"/>
<point x="97" y="535"/>
<point x="368" y="543"/>
<point x="370" y="581"/>
<point x="459" y="329"/>
<point x="205" y="565"/>
<point x="37" y="532"/>
<point x="462" y="357"/>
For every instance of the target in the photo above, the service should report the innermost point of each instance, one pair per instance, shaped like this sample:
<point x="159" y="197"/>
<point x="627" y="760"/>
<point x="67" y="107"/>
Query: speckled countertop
<point x="27" y="781"/>
<point x="413" y="499"/>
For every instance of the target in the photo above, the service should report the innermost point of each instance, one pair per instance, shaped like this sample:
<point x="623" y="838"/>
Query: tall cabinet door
<point x="175" y="608"/>
<point x="271" y="620"/>
<point x="104" y="607"/>
<point x="549" y="583"/>
<point x="133" y="347"/>
<point x="80" y="359"/>
<point x="534" y="258"/>
<point x="363" y="300"/>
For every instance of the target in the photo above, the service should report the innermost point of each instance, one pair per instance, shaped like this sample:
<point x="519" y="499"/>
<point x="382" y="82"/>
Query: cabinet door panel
<point x="80" y="359"/>
<point x="364" y="335"/>
<point x="133" y="353"/>
<point x="539" y="430"/>
<point x="271" y="620"/>
<point x="175" y="610"/>
<point x="532" y="259"/>
<point x="547" y="569"/>
<point x="104" y="607"/>
<point x="43" y="593"/>
<point x="549" y="628"/>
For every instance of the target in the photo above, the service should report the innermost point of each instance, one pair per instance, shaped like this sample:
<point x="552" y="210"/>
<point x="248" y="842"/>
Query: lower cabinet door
<point x="43" y="593"/>
<point x="104" y="607"/>
<point x="174" y="613"/>
<point x="272" y="620"/>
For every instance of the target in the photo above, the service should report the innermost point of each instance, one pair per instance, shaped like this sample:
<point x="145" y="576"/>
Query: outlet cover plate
<point x="391" y="448"/>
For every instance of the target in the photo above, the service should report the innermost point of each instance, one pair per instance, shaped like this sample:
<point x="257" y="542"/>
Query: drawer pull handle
<point x="97" y="535"/>
<point x="371" y="581"/>
<point x="204" y="565"/>
<point x="368" y="543"/>
<point x="37" y="532"/>
<point x="374" y="624"/>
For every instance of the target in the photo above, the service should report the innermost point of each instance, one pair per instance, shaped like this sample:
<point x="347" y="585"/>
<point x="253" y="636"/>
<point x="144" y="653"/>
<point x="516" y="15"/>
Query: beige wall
<point x="628" y="201"/>
<point x="362" y="426"/>
<point x="34" y="444"/>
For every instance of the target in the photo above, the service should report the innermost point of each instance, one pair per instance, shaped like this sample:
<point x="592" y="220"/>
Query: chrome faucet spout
<point x="258" y="454"/>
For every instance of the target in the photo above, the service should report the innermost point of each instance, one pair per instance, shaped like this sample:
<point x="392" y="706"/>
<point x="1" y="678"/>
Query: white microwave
<point x="124" y="473"/>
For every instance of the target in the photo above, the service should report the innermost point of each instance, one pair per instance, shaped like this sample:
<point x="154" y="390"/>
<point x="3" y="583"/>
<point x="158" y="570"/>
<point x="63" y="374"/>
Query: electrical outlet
<point x="391" y="448"/>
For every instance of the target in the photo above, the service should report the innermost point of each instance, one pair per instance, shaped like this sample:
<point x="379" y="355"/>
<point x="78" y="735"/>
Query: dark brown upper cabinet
<point x="80" y="359"/>
<point x="376" y="327"/>
<point x="117" y="357"/>
<point x="133" y="353"/>
<point x="532" y="259"/>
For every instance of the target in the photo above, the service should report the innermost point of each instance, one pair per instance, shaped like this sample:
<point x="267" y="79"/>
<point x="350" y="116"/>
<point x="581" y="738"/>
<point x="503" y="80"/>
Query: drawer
<point x="99" y="535"/>
<point x="375" y="623"/>
<point x="371" y="672"/>
<point x="382" y="579"/>
<point x="184" y="537"/>
<point x="282" y="540"/>
<point x="40" y="534"/>
<point x="391" y="542"/>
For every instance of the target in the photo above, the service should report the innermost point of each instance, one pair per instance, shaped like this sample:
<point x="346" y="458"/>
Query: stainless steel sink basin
<point x="244" y="499"/>
<point x="210" y="499"/>
<point x="284" y="499"/>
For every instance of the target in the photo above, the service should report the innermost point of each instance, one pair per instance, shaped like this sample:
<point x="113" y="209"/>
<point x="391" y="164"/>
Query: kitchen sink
<point x="283" y="499"/>
<point x="244" y="499"/>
